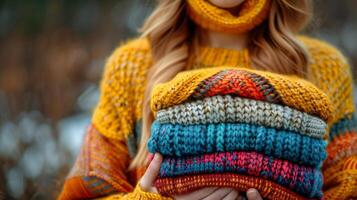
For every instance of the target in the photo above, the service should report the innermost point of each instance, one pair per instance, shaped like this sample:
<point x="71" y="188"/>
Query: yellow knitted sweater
<point x="116" y="120"/>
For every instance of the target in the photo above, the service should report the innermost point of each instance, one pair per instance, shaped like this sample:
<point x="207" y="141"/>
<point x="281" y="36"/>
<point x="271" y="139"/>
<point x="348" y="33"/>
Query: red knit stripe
<point x="186" y="184"/>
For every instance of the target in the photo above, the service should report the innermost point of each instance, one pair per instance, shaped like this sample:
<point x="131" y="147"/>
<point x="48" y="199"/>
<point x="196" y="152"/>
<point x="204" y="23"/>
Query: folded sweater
<point x="181" y="140"/>
<point x="219" y="109"/>
<point x="303" y="180"/>
<point x="286" y="90"/>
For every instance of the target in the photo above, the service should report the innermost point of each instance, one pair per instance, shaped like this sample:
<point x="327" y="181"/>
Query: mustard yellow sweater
<point x="111" y="141"/>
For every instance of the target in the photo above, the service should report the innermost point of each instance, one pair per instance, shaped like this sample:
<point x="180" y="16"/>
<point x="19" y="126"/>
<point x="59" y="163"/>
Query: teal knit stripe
<point x="179" y="140"/>
<point x="218" y="109"/>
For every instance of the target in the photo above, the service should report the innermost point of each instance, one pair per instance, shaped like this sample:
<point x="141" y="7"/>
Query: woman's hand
<point x="148" y="179"/>
<point x="208" y="193"/>
<point x="253" y="194"/>
<point x="214" y="193"/>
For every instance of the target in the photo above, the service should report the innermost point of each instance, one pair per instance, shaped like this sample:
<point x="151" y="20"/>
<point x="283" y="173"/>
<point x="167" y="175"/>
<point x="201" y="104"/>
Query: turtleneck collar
<point x="208" y="16"/>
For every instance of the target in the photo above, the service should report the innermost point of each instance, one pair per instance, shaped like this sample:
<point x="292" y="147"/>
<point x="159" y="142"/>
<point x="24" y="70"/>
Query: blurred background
<point x="52" y="53"/>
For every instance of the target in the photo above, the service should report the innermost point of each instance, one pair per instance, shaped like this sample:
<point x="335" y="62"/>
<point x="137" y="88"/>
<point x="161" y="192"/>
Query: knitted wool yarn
<point x="209" y="114"/>
<point x="254" y="84"/>
<point x="87" y="183"/>
<point x="343" y="171"/>
<point x="117" y="120"/>
<point x="186" y="184"/>
<point x="303" y="180"/>
<point x="180" y="140"/>
<point x="252" y="13"/>
<point x="346" y="125"/>
<point x="343" y="146"/>
<point x="218" y="109"/>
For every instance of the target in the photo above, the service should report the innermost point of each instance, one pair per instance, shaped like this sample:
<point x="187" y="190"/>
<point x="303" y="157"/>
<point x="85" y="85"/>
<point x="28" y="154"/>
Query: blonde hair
<point x="272" y="46"/>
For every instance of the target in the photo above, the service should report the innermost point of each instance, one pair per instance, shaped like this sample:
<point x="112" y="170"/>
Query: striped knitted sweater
<point x="112" y="138"/>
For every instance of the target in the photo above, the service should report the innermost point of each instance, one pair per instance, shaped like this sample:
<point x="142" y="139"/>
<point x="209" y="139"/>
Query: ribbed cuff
<point x="140" y="194"/>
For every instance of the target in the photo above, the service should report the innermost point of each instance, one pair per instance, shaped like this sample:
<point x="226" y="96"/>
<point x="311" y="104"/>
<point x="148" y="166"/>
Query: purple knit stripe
<point x="252" y="161"/>
<point x="299" y="178"/>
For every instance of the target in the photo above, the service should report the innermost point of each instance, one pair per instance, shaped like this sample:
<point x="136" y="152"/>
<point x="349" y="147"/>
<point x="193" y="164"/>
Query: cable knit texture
<point x="230" y="109"/>
<point x="117" y="117"/>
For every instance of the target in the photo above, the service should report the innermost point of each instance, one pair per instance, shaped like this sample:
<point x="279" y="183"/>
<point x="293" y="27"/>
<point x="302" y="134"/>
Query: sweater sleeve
<point x="100" y="171"/>
<point x="138" y="194"/>
<point x="101" y="168"/>
<point x="331" y="72"/>
<point x="340" y="167"/>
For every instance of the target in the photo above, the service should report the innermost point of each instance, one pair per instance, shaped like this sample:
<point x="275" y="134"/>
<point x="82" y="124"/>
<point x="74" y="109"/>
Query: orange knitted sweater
<point x="101" y="169"/>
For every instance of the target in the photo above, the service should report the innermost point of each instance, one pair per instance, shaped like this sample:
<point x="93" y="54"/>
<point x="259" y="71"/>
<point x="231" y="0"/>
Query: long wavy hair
<point x="272" y="46"/>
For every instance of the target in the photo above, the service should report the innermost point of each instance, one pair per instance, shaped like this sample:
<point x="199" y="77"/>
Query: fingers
<point x="211" y="193"/>
<point x="198" y="194"/>
<point x="219" y="194"/>
<point x="151" y="173"/>
<point x="253" y="194"/>
<point x="241" y="197"/>
<point x="232" y="195"/>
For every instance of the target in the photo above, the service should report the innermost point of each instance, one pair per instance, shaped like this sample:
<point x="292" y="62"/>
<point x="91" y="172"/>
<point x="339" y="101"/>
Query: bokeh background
<point x="52" y="53"/>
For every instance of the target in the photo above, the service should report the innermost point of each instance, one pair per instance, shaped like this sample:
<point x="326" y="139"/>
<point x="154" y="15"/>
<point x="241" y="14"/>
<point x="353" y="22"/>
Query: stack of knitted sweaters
<point x="240" y="128"/>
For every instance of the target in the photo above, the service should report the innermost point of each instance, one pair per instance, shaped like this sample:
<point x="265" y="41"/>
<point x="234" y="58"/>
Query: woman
<point x="188" y="34"/>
